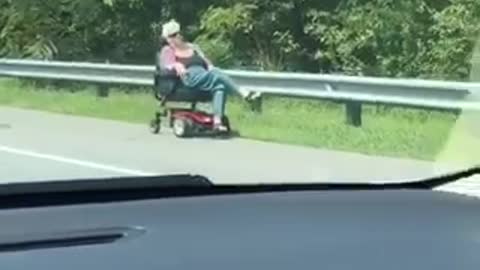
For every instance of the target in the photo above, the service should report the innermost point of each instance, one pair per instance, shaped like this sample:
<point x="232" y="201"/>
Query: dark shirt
<point x="194" y="60"/>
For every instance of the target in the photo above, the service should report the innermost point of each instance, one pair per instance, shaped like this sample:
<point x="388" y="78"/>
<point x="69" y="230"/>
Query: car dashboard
<point x="324" y="229"/>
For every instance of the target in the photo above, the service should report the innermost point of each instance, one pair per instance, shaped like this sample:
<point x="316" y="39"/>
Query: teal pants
<point x="200" y="79"/>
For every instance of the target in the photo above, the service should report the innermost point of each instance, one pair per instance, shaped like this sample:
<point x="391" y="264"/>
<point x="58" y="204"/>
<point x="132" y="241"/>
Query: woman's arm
<point x="167" y="58"/>
<point x="168" y="61"/>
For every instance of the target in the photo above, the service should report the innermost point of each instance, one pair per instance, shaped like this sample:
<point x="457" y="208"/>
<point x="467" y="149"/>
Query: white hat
<point x="170" y="28"/>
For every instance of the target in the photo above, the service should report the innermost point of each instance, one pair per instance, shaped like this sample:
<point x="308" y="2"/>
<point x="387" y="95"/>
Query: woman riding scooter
<point x="197" y="71"/>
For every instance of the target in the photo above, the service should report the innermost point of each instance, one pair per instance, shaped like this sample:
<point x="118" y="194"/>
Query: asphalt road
<point x="40" y="146"/>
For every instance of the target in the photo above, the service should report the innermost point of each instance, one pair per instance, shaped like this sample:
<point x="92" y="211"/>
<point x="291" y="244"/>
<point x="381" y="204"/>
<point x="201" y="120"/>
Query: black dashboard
<point x="340" y="229"/>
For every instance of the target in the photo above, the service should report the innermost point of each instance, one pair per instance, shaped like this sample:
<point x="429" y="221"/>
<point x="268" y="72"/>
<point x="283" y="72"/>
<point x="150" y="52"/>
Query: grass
<point x="385" y="131"/>
<point x="463" y="145"/>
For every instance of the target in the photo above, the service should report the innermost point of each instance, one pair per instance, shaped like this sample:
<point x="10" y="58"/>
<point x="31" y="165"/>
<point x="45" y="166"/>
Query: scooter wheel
<point x="155" y="126"/>
<point x="182" y="127"/>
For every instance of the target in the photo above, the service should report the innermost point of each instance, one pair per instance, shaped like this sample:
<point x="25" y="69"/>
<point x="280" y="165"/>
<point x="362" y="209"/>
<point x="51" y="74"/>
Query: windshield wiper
<point x="67" y="192"/>
<point x="140" y="188"/>
<point x="109" y="184"/>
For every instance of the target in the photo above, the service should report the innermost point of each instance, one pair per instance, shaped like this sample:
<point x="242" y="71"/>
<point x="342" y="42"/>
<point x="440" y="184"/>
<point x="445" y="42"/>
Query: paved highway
<point x="40" y="146"/>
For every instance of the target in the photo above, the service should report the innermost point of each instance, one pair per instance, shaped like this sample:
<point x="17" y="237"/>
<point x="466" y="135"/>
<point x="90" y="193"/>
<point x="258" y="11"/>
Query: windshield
<point x="239" y="91"/>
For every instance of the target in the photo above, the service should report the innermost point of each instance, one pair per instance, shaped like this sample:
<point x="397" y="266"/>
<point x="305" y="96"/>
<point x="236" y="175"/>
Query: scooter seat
<point x="169" y="86"/>
<point x="184" y="94"/>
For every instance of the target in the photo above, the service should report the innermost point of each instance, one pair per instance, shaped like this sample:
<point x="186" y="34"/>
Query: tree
<point x="260" y="33"/>
<point x="455" y="31"/>
<point x="409" y="38"/>
<point x="378" y="37"/>
<point x="38" y="29"/>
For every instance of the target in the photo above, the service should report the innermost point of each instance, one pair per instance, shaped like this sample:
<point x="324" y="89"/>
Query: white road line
<point x="82" y="163"/>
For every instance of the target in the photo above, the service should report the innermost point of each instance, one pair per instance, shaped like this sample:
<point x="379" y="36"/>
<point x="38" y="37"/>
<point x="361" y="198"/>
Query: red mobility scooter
<point x="178" y="106"/>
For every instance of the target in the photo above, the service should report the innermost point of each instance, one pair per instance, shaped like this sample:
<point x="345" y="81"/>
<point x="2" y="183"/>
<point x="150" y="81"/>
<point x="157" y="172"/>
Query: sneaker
<point x="220" y="128"/>
<point x="218" y="125"/>
<point x="252" y="95"/>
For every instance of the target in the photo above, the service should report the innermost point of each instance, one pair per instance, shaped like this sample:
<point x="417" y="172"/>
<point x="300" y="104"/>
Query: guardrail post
<point x="256" y="105"/>
<point x="103" y="90"/>
<point x="354" y="113"/>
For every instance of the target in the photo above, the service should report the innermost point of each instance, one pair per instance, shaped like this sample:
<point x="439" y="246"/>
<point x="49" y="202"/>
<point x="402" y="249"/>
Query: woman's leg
<point x="199" y="79"/>
<point x="230" y="84"/>
<point x="219" y="101"/>
<point x="214" y="80"/>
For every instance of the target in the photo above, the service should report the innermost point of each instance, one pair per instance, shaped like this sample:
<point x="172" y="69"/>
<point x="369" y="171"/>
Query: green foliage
<point x="455" y="32"/>
<point x="390" y="42"/>
<point x="262" y="33"/>
<point x="218" y="50"/>
<point x="475" y="63"/>
<point x="408" y="38"/>
<point x="46" y="29"/>
<point x="218" y="27"/>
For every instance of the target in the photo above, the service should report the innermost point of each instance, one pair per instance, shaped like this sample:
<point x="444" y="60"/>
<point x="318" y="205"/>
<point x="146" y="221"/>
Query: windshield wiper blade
<point x="110" y="184"/>
<point x="69" y="192"/>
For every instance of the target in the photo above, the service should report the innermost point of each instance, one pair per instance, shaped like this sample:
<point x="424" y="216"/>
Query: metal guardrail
<point x="352" y="90"/>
